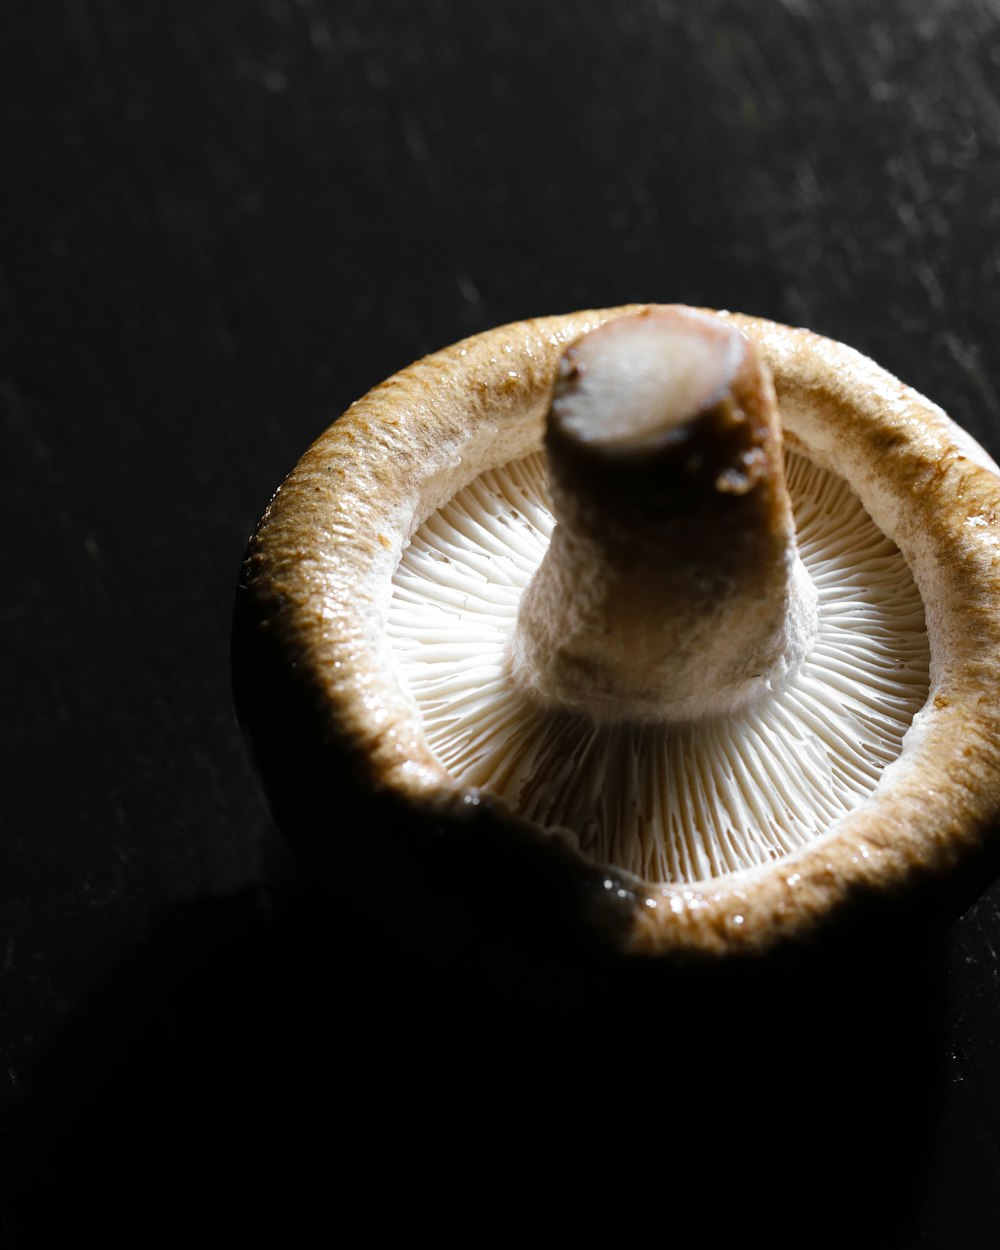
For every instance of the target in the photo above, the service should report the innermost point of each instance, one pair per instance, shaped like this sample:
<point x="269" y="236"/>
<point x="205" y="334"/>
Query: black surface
<point x="222" y="222"/>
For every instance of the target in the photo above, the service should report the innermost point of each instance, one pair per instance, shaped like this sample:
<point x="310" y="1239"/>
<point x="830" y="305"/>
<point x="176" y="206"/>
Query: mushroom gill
<point x="668" y="802"/>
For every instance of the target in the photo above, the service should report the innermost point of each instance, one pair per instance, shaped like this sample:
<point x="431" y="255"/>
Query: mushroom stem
<point x="672" y="589"/>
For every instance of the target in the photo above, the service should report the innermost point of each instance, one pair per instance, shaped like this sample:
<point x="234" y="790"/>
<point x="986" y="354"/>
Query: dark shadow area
<point x="265" y="1067"/>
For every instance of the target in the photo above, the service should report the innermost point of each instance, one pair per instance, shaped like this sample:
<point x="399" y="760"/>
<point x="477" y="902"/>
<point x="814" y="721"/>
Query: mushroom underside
<point x="671" y="803"/>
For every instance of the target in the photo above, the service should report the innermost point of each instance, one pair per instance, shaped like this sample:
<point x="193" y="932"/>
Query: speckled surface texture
<point x="222" y="223"/>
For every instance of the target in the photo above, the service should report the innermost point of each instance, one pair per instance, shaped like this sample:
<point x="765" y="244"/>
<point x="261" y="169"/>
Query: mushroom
<point x="629" y="680"/>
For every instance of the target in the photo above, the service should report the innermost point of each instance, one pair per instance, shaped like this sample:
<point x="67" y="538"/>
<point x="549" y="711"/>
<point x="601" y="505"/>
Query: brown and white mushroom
<point x="584" y="635"/>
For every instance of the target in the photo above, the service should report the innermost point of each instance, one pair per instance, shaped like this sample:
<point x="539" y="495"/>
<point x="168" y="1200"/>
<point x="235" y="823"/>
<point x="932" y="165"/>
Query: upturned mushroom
<point x="587" y="637"/>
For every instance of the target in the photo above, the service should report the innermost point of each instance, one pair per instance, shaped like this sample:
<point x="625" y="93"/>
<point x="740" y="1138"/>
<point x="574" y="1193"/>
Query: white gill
<point x="680" y="803"/>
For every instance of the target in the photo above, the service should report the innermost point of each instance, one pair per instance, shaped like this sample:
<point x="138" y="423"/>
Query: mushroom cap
<point x="339" y="740"/>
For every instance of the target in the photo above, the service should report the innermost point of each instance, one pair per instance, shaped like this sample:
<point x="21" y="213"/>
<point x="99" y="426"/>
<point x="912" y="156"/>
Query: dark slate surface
<point x="223" y="220"/>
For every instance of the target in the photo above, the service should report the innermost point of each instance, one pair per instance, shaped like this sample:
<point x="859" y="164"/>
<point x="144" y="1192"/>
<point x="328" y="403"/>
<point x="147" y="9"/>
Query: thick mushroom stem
<point x="672" y="589"/>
